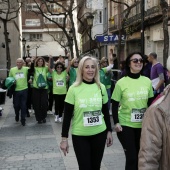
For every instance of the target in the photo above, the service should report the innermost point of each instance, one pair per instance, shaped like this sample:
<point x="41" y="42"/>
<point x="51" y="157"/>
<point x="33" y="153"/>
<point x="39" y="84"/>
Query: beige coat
<point x="154" y="151"/>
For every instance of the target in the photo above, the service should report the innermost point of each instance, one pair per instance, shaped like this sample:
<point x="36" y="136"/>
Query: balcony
<point x="156" y="10"/>
<point x="153" y="12"/>
<point x="113" y="27"/>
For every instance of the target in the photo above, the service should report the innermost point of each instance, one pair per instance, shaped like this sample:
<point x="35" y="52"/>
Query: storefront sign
<point x="109" y="38"/>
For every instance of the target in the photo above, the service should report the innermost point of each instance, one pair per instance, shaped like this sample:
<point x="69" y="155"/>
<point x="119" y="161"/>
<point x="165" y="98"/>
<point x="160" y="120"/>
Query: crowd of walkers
<point x="82" y="96"/>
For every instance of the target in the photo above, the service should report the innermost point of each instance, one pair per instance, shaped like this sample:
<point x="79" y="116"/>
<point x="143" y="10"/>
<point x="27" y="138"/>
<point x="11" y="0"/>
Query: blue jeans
<point x="109" y="97"/>
<point x="20" y="103"/>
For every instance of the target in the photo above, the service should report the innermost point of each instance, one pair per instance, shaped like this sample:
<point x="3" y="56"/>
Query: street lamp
<point x="28" y="50"/>
<point x="90" y="24"/>
<point x="24" y="43"/>
<point x="37" y="49"/>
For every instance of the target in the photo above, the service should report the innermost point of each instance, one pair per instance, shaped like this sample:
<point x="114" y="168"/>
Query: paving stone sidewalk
<point x="36" y="146"/>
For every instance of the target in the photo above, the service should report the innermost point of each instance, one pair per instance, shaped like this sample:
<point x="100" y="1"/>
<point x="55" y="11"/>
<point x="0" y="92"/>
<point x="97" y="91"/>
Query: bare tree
<point x="164" y="7"/>
<point x="121" y="29"/>
<point x="67" y="8"/>
<point x="9" y="10"/>
<point x="61" y="40"/>
<point x="164" y="18"/>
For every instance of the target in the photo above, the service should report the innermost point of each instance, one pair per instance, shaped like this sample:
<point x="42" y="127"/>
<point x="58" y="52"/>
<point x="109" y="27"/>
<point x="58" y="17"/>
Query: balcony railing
<point x="149" y="12"/>
<point x="113" y="27"/>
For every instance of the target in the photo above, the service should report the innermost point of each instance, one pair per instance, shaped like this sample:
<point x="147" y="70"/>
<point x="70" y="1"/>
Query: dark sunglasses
<point x="136" y="60"/>
<point x="59" y="67"/>
<point x="76" y="62"/>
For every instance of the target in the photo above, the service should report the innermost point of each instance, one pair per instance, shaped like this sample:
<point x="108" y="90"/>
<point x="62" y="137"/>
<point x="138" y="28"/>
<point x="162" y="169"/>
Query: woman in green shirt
<point x="59" y="76"/>
<point x="39" y="95"/>
<point x="86" y="105"/>
<point x="73" y="71"/>
<point x="134" y="93"/>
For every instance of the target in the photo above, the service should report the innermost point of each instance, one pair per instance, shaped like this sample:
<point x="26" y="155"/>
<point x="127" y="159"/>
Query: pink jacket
<point x="154" y="151"/>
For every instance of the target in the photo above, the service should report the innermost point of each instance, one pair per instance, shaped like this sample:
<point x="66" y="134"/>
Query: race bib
<point x="19" y="76"/>
<point x="59" y="83"/>
<point x="137" y="115"/>
<point x="92" y="118"/>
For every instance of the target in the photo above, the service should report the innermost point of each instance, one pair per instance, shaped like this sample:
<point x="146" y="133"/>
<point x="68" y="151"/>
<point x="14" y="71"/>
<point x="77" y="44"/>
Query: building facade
<point x="43" y="36"/>
<point x="14" y="33"/>
<point x="97" y="9"/>
<point x="153" y="40"/>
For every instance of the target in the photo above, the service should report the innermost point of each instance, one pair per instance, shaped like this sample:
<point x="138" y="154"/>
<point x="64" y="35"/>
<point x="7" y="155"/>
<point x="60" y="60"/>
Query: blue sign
<point x="109" y="38"/>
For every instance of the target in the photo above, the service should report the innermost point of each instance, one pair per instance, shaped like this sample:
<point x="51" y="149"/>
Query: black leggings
<point x="50" y="100"/>
<point x="40" y="103"/>
<point x="130" y="140"/>
<point x="89" y="150"/>
<point x="59" y="104"/>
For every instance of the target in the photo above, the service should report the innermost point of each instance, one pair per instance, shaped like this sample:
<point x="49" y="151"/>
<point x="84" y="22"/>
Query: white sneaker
<point x="110" y="113"/>
<point x="56" y="118"/>
<point x="60" y="119"/>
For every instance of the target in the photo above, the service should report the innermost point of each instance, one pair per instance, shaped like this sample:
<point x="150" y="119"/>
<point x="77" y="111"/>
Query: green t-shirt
<point x="133" y="96"/>
<point x="40" y="70"/>
<point x="59" y="82"/>
<point x="73" y="75"/>
<point x="20" y="77"/>
<point x="105" y="77"/>
<point x="87" y="100"/>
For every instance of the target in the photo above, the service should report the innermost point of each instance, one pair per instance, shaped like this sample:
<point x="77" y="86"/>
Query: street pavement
<point x="36" y="146"/>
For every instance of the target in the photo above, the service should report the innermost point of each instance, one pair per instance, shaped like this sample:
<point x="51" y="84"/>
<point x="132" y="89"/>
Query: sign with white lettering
<point x="110" y="38"/>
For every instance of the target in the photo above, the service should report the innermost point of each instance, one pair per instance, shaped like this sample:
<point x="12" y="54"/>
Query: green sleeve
<point x="117" y="93"/>
<point x="70" y="97"/>
<point x="104" y="94"/>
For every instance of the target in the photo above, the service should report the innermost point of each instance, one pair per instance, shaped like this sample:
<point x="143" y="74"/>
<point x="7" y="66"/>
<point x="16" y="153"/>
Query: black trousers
<point x="29" y="98"/>
<point x="89" y="150"/>
<point x="59" y="103"/>
<point x="50" y="100"/>
<point x="40" y="103"/>
<point x="130" y="140"/>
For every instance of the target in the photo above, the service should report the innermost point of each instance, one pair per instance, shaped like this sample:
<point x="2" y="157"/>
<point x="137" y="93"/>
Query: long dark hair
<point x="128" y="62"/>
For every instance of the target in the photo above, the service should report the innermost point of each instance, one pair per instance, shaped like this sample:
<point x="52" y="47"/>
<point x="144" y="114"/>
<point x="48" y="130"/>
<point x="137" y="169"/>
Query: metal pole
<point x="27" y="53"/>
<point x="142" y="26"/>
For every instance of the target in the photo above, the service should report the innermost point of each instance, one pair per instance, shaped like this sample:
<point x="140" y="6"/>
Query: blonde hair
<point x="73" y="60"/>
<point x="103" y="59"/>
<point x="79" y="78"/>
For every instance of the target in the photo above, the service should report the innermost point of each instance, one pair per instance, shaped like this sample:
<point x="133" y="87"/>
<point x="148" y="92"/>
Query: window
<point x="35" y="37"/>
<point x="32" y="7"/>
<point x="98" y="18"/>
<point x="32" y="22"/>
<point x="58" y="19"/>
<point x="59" y="36"/>
<point x="53" y="8"/>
